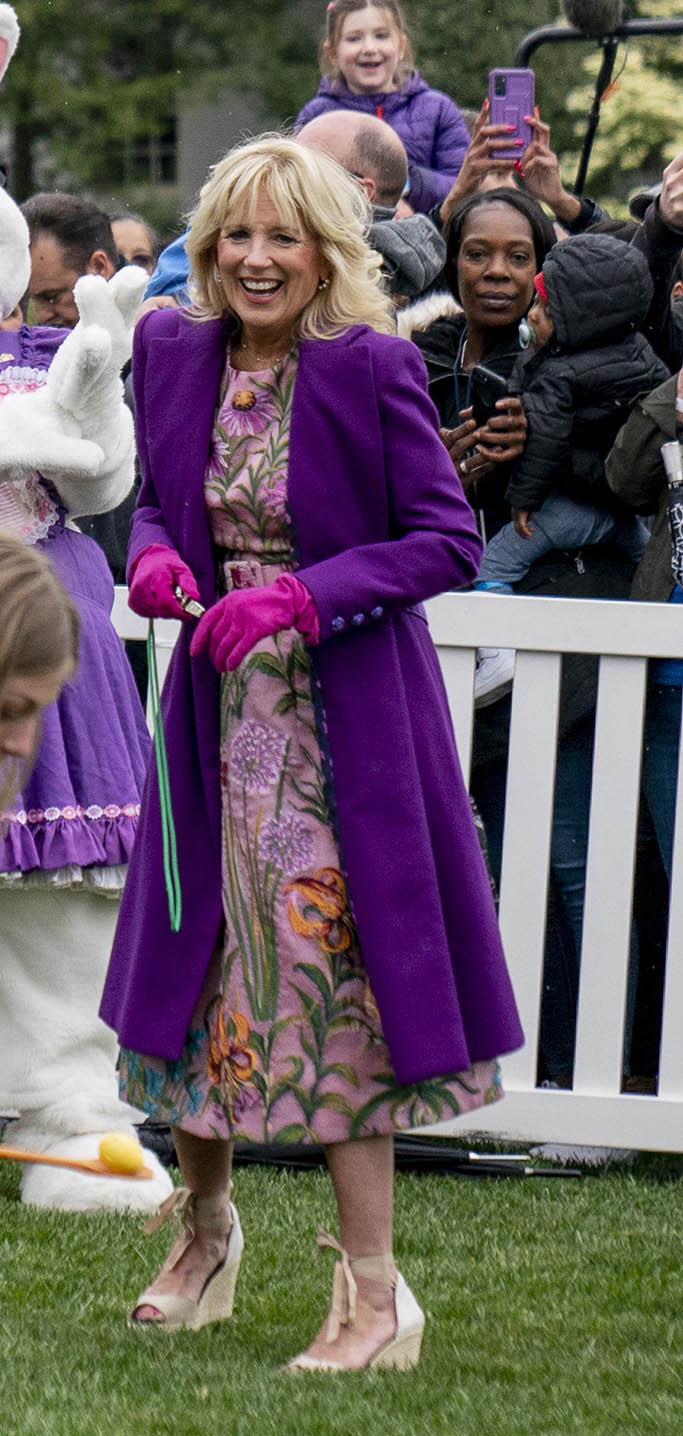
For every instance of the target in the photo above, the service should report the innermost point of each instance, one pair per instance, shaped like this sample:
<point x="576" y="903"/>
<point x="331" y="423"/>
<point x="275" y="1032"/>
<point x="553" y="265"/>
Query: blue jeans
<point x="568" y="854"/>
<point x="560" y="523"/>
<point x="660" y="762"/>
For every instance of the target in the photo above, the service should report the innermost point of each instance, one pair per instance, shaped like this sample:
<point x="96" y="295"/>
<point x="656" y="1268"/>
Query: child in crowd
<point x="585" y="366"/>
<point x="367" y="57"/>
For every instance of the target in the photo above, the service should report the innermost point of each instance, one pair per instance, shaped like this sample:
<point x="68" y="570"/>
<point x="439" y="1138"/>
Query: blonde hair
<point x="308" y="188"/>
<point x="334" y="20"/>
<point x="39" y="630"/>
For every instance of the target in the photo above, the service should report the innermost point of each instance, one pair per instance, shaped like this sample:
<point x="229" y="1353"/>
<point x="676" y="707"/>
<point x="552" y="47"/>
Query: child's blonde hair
<point x="39" y="631"/>
<point x="308" y="188"/>
<point x="337" y="12"/>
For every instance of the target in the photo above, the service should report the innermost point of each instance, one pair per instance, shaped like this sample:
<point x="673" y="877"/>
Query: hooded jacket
<point x="429" y="123"/>
<point x="578" y="389"/>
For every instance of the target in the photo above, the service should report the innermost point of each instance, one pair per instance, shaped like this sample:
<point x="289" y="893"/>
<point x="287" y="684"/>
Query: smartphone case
<point x="510" y="107"/>
<point x="486" y="387"/>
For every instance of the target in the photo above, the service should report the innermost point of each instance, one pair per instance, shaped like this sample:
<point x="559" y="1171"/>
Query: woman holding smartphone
<point x="496" y="242"/>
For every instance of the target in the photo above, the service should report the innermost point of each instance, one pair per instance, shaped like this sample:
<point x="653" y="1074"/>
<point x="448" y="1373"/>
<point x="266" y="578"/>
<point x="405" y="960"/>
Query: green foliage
<point x="97" y="80"/>
<point x="639" y="128"/>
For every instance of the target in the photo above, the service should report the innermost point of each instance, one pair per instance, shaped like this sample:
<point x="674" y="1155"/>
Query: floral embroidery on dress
<point x="246" y="483"/>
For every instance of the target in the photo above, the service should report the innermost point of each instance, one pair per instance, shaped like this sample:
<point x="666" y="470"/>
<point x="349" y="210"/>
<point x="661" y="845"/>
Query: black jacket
<point x="439" y="345"/>
<point x="578" y="389"/>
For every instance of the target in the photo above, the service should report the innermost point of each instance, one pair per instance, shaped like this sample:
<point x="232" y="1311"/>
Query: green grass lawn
<point x="554" y="1306"/>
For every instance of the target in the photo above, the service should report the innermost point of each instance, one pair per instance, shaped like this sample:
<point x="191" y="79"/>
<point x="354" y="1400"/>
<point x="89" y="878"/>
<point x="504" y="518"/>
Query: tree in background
<point x="94" y="83"/>
<point x="640" y="127"/>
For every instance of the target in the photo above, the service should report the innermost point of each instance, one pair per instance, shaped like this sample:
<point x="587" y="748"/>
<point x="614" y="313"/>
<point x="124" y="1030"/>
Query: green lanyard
<point x="168" y="839"/>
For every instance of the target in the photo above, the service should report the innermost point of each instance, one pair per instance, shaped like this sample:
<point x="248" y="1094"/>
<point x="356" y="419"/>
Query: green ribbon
<point x="168" y="838"/>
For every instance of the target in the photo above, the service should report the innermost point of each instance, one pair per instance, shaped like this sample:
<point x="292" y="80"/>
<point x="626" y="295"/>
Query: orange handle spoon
<point x="86" y="1164"/>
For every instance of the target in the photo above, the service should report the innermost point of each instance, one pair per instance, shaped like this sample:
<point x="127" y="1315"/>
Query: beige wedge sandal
<point x="215" y="1302"/>
<point x="403" y="1350"/>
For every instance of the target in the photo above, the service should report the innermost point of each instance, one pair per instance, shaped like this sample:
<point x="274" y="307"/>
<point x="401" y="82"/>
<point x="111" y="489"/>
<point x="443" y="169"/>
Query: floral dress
<point x="286" y="1042"/>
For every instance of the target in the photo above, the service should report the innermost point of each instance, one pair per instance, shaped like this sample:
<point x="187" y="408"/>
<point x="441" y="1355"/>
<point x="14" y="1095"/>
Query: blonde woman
<point x="338" y="971"/>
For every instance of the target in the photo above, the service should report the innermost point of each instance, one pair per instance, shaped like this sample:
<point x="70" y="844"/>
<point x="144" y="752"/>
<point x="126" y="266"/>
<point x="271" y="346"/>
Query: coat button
<point x="358" y="618"/>
<point x="337" y="624"/>
<point x="376" y="612"/>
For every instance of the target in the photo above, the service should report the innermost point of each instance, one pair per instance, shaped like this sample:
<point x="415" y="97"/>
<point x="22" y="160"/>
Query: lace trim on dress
<point x="27" y="510"/>
<point x="20" y="379"/>
<point x="50" y="815"/>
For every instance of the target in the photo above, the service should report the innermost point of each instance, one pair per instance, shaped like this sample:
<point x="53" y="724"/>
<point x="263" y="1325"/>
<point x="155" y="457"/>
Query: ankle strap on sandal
<point x="212" y="1214"/>
<point x="379" y="1268"/>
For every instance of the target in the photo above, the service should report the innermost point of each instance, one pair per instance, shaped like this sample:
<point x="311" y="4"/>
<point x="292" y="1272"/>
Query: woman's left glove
<point x="232" y="627"/>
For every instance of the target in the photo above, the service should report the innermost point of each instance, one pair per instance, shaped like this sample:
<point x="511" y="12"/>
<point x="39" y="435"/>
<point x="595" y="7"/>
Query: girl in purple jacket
<point x="367" y="57"/>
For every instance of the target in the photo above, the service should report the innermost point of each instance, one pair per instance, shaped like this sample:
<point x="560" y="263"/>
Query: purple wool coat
<point x="380" y="522"/>
<point x="429" y="123"/>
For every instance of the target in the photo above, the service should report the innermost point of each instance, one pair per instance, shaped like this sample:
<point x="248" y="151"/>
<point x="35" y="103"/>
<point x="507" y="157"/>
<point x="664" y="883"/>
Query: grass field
<point x="554" y="1307"/>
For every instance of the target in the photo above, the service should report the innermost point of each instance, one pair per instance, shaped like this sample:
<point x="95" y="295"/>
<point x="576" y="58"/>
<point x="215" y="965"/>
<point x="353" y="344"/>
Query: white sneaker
<point x="494" y="674"/>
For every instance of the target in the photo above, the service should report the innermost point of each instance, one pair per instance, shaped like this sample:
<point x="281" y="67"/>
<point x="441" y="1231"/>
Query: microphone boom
<point x="594" y="17"/>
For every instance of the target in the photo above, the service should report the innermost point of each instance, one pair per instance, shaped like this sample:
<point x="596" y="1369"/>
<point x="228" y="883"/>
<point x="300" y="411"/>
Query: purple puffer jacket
<point x="429" y="123"/>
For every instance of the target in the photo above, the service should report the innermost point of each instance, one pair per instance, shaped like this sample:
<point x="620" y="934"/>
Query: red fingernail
<point x="518" y="166"/>
<point x="510" y="128"/>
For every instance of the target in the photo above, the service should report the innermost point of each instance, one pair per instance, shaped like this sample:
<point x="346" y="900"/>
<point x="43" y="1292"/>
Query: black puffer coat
<point x="578" y="389"/>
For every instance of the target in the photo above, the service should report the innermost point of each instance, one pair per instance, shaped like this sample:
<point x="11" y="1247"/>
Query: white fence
<point x="541" y="629"/>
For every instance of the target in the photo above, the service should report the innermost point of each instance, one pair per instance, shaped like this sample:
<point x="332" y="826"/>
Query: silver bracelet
<point x="679" y="405"/>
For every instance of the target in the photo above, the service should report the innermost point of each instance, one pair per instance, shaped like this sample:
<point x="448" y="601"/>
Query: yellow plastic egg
<point x="121" y="1153"/>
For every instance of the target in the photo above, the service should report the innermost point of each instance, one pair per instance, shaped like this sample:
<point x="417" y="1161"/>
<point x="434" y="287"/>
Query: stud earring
<point x="324" y="283"/>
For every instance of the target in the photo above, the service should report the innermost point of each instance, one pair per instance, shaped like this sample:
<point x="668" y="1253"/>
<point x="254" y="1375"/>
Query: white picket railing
<point x="624" y="635"/>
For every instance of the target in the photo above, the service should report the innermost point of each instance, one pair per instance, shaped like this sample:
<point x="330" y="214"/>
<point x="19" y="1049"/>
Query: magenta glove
<point x="152" y="577"/>
<point x="233" y="625"/>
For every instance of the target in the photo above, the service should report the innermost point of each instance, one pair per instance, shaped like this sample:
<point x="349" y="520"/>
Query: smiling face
<point x="269" y="271"/>
<point x="368" y="51"/>
<point x="496" y="266"/>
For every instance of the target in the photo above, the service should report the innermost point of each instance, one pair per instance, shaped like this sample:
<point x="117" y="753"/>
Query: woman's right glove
<point x="152" y="577"/>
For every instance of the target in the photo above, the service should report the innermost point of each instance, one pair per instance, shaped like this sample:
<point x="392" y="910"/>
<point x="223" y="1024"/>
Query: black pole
<point x="609" y="56"/>
<point x="560" y="34"/>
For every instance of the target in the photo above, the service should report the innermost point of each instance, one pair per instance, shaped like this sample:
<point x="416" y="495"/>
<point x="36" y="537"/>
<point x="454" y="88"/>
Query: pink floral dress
<point x="286" y="1043"/>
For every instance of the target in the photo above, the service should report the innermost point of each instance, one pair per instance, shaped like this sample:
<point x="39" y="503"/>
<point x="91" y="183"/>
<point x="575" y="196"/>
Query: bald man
<point x="365" y="146"/>
<point x="412" y="249"/>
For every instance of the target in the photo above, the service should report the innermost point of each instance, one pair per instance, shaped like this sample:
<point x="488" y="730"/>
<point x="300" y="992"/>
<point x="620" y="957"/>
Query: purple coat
<point x="380" y="523"/>
<point x="429" y="123"/>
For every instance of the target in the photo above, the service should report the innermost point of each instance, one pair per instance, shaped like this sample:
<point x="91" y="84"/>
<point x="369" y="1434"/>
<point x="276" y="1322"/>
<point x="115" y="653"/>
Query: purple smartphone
<point x="511" y="97"/>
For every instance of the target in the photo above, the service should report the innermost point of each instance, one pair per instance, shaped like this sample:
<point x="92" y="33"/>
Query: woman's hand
<point x="460" y="443"/>
<point x="238" y="621"/>
<point x="540" y="170"/>
<point x="502" y="439"/>
<point x="478" y="160"/>
<point x="154" y="575"/>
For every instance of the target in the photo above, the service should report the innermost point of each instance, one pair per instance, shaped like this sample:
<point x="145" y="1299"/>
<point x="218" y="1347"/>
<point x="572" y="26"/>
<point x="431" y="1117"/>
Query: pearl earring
<point x="324" y="283"/>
